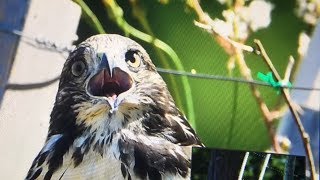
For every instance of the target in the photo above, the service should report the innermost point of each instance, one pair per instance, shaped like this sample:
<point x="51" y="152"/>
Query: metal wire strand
<point x="45" y="44"/>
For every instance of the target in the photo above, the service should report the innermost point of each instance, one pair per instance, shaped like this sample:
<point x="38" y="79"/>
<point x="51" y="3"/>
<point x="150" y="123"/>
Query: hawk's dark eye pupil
<point x="78" y="68"/>
<point x="130" y="56"/>
<point x="133" y="58"/>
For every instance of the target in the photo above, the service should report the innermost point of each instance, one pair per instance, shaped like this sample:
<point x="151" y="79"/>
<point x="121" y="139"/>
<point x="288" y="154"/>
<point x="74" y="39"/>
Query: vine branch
<point x="91" y="16"/>
<point x="304" y="135"/>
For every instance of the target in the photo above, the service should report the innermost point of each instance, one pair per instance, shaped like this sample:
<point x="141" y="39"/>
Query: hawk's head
<point x="106" y="76"/>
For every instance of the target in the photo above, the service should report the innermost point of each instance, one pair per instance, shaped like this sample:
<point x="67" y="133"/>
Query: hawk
<point x="114" y="118"/>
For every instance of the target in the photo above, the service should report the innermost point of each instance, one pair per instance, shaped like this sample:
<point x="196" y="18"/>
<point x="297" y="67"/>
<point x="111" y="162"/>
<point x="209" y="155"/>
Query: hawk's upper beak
<point x="109" y="81"/>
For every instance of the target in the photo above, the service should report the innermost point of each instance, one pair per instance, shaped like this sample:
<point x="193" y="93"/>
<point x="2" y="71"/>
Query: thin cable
<point x="42" y="43"/>
<point x="224" y="78"/>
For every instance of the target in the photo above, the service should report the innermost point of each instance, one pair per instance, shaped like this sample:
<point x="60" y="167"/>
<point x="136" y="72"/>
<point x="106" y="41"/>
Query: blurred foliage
<point x="225" y="113"/>
<point x="277" y="166"/>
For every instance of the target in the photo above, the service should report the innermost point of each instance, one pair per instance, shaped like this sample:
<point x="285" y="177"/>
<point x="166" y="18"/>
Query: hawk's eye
<point x="133" y="58"/>
<point x="78" y="68"/>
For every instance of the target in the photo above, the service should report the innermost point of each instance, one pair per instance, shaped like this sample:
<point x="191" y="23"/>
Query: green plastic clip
<point x="268" y="78"/>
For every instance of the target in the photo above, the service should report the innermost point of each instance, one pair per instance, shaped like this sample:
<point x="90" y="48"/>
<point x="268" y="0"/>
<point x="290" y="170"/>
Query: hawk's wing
<point x="173" y="127"/>
<point x="39" y="166"/>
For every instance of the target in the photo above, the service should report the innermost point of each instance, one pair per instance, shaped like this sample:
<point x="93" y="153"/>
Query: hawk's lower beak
<point x="110" y="85"/>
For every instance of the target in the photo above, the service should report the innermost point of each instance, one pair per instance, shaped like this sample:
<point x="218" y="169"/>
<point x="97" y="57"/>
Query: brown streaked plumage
<point x="114" y="118"/>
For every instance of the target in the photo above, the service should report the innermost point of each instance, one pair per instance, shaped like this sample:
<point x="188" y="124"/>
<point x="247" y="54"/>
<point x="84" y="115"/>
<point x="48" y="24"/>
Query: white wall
<point x="24" y="115"/>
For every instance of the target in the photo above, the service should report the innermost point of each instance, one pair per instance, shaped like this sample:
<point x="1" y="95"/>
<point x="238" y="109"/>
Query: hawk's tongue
<point x="112" y="97"/>
<point x="102" y="84"/>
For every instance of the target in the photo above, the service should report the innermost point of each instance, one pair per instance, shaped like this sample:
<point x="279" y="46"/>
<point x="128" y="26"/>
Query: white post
<point x="243" y="166"/>
<point x="264" y="166"/>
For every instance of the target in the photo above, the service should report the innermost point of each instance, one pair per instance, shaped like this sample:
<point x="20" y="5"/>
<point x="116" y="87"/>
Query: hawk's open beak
<point x="109" y="84"/>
